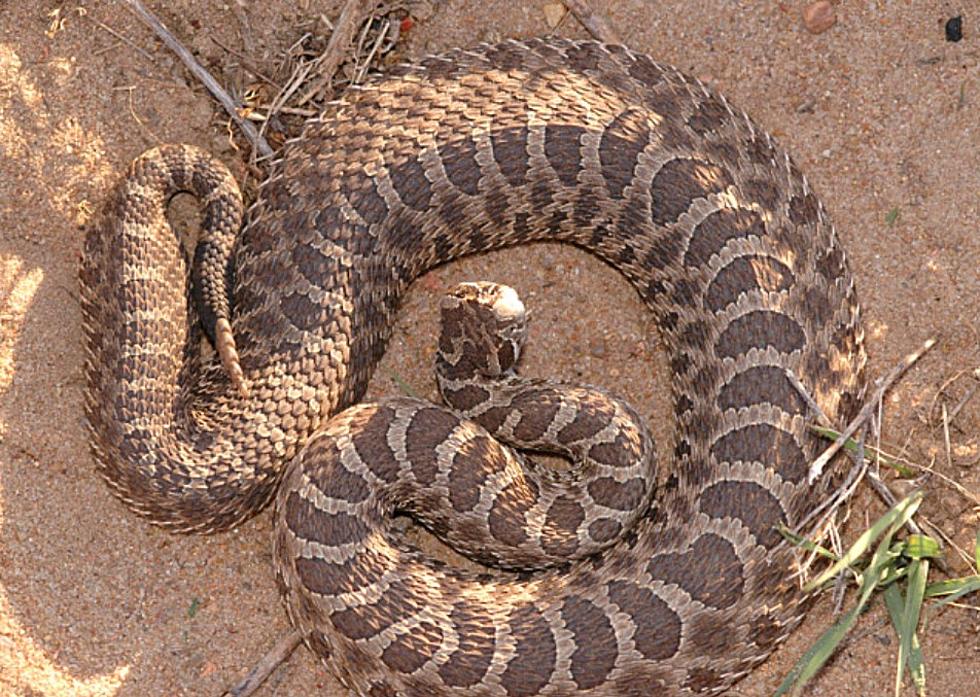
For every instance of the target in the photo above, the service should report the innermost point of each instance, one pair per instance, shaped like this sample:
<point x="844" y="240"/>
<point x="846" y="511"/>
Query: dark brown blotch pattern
<point x="622" y="496"/>
<point x="562" y="147"/>
<point x="506" y="520"/>
<point x="564" y="517"/>
<point x="710" y="571"/>
<point x="717" y="229"/>
<point x="326" y="472"/>
<point x="531" y="667"/>
<point x="510" y="153"/>
<point x="623" y="451"/>
<point x="604" y="530"/>
<point x="428" y="428"/>
<point x="313" y="525"/>
<point x="595" y="642"/>
<point x="466" y="397"/>
<point x="679" y="183"/>
<point x="593" y="416"/>
<point x="621" y="143"/>
<point x="328" y="578"/>
<point x="657" y="633"/>
<point x="470" y="661"/>
<point x="408" y="652"/>
<point x="744" y="274"/>
<point x="364" y="621"/>
<point x="763" y="443"/>
<point x="537" y="409"/>
<point x="410" y="183"/>
<point x="753" y="505"/>
<point x="761" y="384"/>
<point x="459" y="160"/>
<point x="370" y="440"/>
<point x="367" y="201"/>
<point x="803" y="209"/>
<point x="760" y="329"/>
<point x="709" y="117"/>
<point x="472" y="463"/>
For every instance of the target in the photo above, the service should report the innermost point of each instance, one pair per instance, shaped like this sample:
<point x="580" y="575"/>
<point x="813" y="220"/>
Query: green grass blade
<point x="851" y="445"/>
<point x="808" y="545"/>
<point x="895" y="603"/>
<point x="954" y="589"/>
<point x="976" y="552"/>
<point x="817" y="655"/>
<point x="896" y="606"/>
<point x="910" y="654"/>
<point x="895" y="518"/>
<point x="881" y="562"/>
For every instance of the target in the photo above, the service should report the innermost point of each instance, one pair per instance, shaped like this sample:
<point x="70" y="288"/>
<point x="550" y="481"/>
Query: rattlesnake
<point x="544" y="139"/>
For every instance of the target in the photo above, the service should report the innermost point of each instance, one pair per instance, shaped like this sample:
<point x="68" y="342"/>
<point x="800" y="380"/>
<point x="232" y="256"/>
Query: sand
<point x="880" y="111"/>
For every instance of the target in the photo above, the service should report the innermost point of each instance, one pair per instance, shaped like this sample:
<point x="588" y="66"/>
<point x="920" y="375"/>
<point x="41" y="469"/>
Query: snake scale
<point x="573" y="141"/>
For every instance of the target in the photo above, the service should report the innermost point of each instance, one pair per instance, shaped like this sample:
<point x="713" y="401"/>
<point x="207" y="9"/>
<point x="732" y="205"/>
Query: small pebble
<point x="819" y="16"/>
<point x="954" y="29"/>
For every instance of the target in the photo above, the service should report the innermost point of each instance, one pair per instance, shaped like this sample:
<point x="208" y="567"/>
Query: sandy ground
<point x="880" y="111"/>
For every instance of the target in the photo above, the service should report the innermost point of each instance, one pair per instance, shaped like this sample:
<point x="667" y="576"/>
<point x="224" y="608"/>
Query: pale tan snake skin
<point x="538" y="140"/>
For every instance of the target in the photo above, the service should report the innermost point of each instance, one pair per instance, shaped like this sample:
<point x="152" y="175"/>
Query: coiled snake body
<point x="468" y="151"/>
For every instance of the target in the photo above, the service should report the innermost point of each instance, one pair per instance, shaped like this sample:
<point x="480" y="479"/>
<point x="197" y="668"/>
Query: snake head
<point x="483" y="327"/>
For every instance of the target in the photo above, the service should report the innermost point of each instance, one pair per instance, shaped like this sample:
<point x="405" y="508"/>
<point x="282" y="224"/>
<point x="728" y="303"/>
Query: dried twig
<point x="597" y="24"/>
<point x="972" y="390"/>
<point x="246" y="63"/>
<point x="866" y="411"/>
<point x="808" y="398"/>
<point x="268" y="663"/>
<point x="946" y="442"/>
<point x="350" y="19"/>
<point x="258" y="142"/>
<point x="129" y="42"/>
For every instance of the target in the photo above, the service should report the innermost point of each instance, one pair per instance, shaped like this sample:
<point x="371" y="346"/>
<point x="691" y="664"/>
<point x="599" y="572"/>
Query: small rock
<point x="819" y="16"/>
<point x="554" y="12"/>
<point x="954" y="29"/>
<point x="806" y="106"/>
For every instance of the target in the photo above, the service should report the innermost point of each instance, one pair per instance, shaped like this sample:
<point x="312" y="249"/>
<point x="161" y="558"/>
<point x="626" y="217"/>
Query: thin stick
<point x="808" y="398"/>
<point x="268" y="663"/>
<point x="129" y="42"/>
<point x="949" y="449"/>
<point x="350" y="19"/>
<point x="597" y="25"/>
<point x="361" y="71"/>
<point x="258" y="142"/>
<point x="867" y="410"/>
<point x="966" y="398"/>
<point x="247" y="63"/>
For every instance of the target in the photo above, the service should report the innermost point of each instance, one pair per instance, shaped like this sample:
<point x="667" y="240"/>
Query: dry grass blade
<point x="972" y="390"/>
<point x="351" y="16"/>
<point x="597" y="25"/>
<point x="867" y="410"/>
<point x="359" y="41"/>
<point x="258" y="142"/>
<point x="268" y="663"/>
